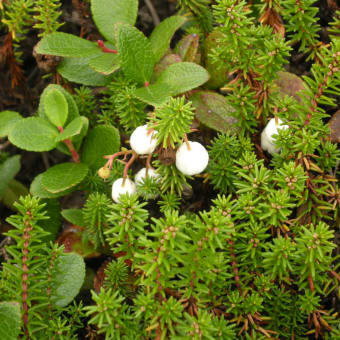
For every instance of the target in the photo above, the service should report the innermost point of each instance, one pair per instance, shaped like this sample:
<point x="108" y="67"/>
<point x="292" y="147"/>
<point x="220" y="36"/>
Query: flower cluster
<point x="191" y="159"/>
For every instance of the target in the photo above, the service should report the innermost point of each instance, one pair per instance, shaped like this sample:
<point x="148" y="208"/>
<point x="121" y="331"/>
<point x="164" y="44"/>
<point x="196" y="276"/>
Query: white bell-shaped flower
<point x="267" y="139"/>
<point x="143" y="141"/>
<point x="193" y="160"/>
<point x="141" y="175"/>
<point x="121" y="187"/>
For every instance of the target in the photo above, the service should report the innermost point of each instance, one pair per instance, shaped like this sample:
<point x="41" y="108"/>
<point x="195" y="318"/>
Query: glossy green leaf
<point x="66" y="45"/>
<point x="163" y="33"/>
<point x="10" y="320"/>
<point x="63" y="176"/>
<point x="176" y="79"/>
<point x="8" y="170"/>
<point x="73" y="129"/>
<point x="101" y="141"/>
<point x="71" y="104"/>
<point x="7" y="120"/>
<point x="37" y="189"/>
<point x="135" y="50"/>
<point x="106" y="13"/>
<point x="106" y="63"/>
<point x="56" y="107"/>
<point x="67" y="278"/>
<point x="74" y="216"/>
<point x="214" y="111"/>
<point x="78" y="70"/>
<point x="33" y="134"/>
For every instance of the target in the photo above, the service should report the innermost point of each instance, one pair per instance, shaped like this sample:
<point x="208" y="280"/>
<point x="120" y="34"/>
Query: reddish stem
<point x="128" y="164"/>
<point x="25" y="251"/>
<point x="234" y="265"/>
<point x="105" y="49"/>
<point x="187" y="142"/>
<point x="311" y="283"/>
<point x="115" y="155"/>
<point x="70" y="146"/>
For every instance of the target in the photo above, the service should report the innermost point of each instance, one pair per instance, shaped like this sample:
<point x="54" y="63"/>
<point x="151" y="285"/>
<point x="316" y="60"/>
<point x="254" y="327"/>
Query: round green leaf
<point x="56" y="107"/>
<point x="63" y="176"/>
<point x="67" y="278"/>
<point x="106" y="13"/>
<point x="37" y="189"/>
<point x="34" y="134"/>
<point x="101" y="141"/>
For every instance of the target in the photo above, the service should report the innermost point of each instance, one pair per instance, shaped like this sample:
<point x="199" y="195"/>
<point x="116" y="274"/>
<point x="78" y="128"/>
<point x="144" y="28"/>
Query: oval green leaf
<point x="101" y="141"/>
<point x="63" y="176"/>
<point x="56" y="107"/>
<point x="67" y="278"/>
<point x="106" y="13"/>
<point x="34" y="134"/>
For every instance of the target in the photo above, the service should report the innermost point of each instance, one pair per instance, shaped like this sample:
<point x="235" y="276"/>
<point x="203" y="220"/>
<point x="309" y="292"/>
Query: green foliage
<point x="162" y="35"/>
<point x="120" y="106"/>
<point x="127" y="221"/>
<point x="95" y="213"/>
<point x="108" y="13"/>
<point x="246" y="250"/>
<point x="200" y="10"/>
<point x="8" y="170"/>
<point x="56" y="107"/>
<point x="47" y="16"/>
<point x="172" y="121"/>
<point x="63" y="176"/>
<point x="66" y="45"/>
<point x="176" y="79"/>
<point x="10" y="320"/>
<point x="7" y="120"/>
<point x="304" y="27"/>
<point x="102" y="140"/>
<point x="42" y="269"/>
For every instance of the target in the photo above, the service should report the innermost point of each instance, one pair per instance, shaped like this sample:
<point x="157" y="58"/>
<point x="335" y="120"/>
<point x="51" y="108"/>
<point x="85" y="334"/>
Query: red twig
<point x="234" y="265"/>
<point x="25" y="251"/>
<point x="105" y="49"/>
<point x="128" y="164"/>
<point x="70" y="146"/>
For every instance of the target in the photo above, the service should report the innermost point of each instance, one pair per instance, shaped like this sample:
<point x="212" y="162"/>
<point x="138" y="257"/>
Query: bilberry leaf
<point x="101" y="141"/>
<point x="63" y="176"/>
<point x="135" y="50"/>
<point x="162" y="35"/>
<point x="72" y="129"/>
<point x="37" y="189"/>
<point x="176" y="79"/>
<point x="78" y="70"/>
<point x="74" y="216"/>
<point x="67" y="278"/>
<point x="56" y="107"/>
<point x="106" y="13"/>
<point x="214" y="111"/>
<point x="34" y="134"/>
<point x="66" y="45"/>
<point x="105" y="63"/>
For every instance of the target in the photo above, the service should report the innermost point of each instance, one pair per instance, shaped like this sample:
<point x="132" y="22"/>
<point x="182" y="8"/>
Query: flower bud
<point x="104" y="172"/>
<point x="193" y="160"/>
<point x="121" y="187"/>
<point x="143" y="141"/>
